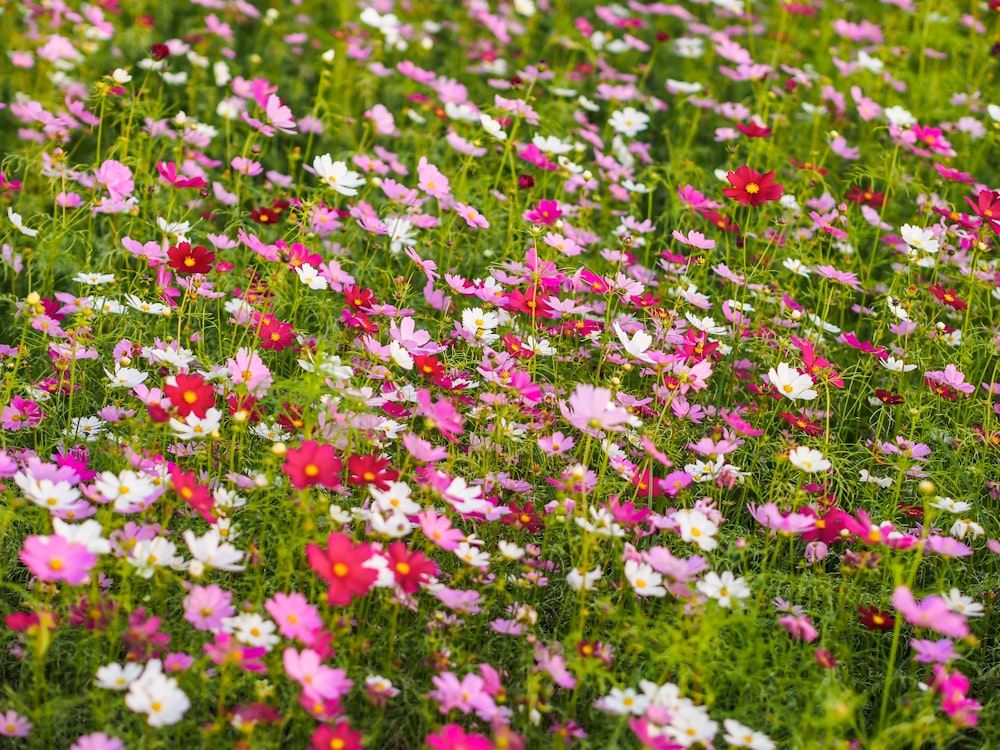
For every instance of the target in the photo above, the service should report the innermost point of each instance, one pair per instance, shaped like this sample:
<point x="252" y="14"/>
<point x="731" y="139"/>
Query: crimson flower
<point x="410" y="568"/>
<point x="753" y="130"/>
<point x="872" y="619"/>
<point x="312" y="463"/>
<point x="190" y="393"/>
<point x="197" y="496"/>
<point x="750" y="187"/>
<point x="948" y="296"/>
<point x="339" y="736"/>
<point x="428" y="365"/>
<point x="187" y="260"/>
<point x="987" y="208"/>
<point x="341" y="564"/>
<point x="358" y="297"/>
<point x="888" y="397"/>
<point x="800" y="422"/>
<point x="524" y="518"/>
<point x="368" y="469"/>
<point x="866" y="197"/>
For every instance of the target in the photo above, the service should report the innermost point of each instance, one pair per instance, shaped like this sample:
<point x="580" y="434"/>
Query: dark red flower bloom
<point x="888" y="397"/>
<point x="190" y="393"/>
<point x="873" y="619"/>
<point x="750" y="187"/>
<point x="865" y="197"/>
<point x="369" y="469"/>
<point x="159" y="52"/>
<point x="357" y="297"/>
<point x="800" y="422"/>
<point x="341" y="564"/>
<point x="187" y="260"/>
<point x="722" y="222"/>
<point x="809" y="166"/>
<point x="275" y="334"/>
<point x="525" y="182"/>
<point x="312" y="464"/>
<point x="523" y="518"/>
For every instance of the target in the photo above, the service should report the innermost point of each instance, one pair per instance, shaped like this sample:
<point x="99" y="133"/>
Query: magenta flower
<point x="52" y="558"/>
<point x="453" y="737"/>
<point x="952" y="377"/>
<point x="21" y="414"/>
<point x="441" y="416"/>
<point x="225" y="649"/>
<point x="932" y="613"/>
<point x="546" y="212"/>
<point x="800" y="628"/>
<point x="116" y="177"/>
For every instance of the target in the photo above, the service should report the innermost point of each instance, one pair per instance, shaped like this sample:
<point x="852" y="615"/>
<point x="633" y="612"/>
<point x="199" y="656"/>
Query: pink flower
<point x="295" y="616"/>
<point x="439" y="530"/>
<point x="931" y="613"/>
<point x="249" y="369"/>
<point x="116" y="177"/>
<point x="466" y="695"/>
<point x="799" y="627"/>
<point x="21" y="414"/>
<point x="441" y="415"/>
<point x="205" y="607"/>
<point x="13" y="724"/>
<point x="591" y="408"/>
<point x="225" y="649"/>
<point x="316" y="679"/>
<point x="432" y="181"/>
<point x="472" y="217"/>
<point x="952" y="377"/>
<point x="52" y="558"/>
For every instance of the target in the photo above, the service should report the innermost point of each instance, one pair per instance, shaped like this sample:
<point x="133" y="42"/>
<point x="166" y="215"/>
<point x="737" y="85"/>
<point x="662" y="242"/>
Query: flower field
<point x="482" y="375"/>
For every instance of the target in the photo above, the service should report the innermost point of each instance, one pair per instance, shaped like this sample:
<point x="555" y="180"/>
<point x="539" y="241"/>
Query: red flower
<point x="867" y="197"/>
<point x="428" y="365"/>
<point x="949" y="297"/>
<point x="274" y="334"/>
<point x="190" y="393"/>
<point x="197" y="496"/>
<point x="808" y="427"/>
<point x="338" y="737"/>
<point x="722" y="222"/>
<point x="888" y="397"/>
<point x="809" y="166"/>
<point x="523" y="518"/>
<point x="186" y="260"/>
<point x="370" y="470"/>
<point x="516" y="347"/>
<point x="341" y="564"/>
<point x="311" y="464"/>
<point x="750" y="187"/>
<point x="872" y="619"/>
<point x="358" y="297"/>
<point x="533" y="303"/>
<point x="410" y="568"/>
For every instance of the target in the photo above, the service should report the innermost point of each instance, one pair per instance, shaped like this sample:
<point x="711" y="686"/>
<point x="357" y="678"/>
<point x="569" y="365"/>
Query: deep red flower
<point x="312" y="464"/>
<point x="357" y="297"/>
<point x="525" y="182"/>
<point x="274" y="334"/>
<point x="428" y="365"/>
<point x="187" y="260"/>
<point x="190" y="393"/>
<point x="809" y="166"/>
<point x="410" y="568"/>
<point x="873" y="619"/>
<point x="196" y="495"/>
<point x="800" y="422"/>
<point x="532" y="303"/>
<point x="265" y="215"/>
<point x="516" y="347"/>
<point x="888" y="397"/>
<point x="722" y="222"/>
<point x="245" y="404"/>
<point x="750" y="187"/>
<point x="159" y="52"/>
<point x="865" y="197"/>
<point x="369" y="469"/>
<point x="948" y="296"/>
<point x="523" y="518"/>
<point x="341" y="564"/>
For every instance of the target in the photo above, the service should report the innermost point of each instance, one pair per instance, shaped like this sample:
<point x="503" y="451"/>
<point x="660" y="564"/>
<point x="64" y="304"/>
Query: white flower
<point x="637" y="345"/>
<point x="251" y="629"/>
<point x="86" y="428"/>
<point x="53" y="496"/>
<point x="396" y="499"/>
<point x="87" y="533"/>
<point x="152" y="308"/>
<point x="126" y="489"/>
<point x="336" y="175"/>
<point x="644" y="580"/>
<point x="706" y="325"/>
<point x="899" y="116"/>
<point x="471" y="556"/>
<point x="15" y="219"/>
<point x="552" y="145"/>
<point x="193" y="427"/>
<point x="695" y="526"/>
<point x="965" y="526"/>
<point x="993" y="111"/>
<point x="586" y="580"/>
<point x="149" y="554"/>
<point x="393" y="525"/>
<point x="724" y="588"/>
<point x="125" y="377"/>
<point x="621" y="702"/>
<point x="629" y="121"/>
<point x="510" y="550"/>
<point x="791" y="384"/>
<point x="493" y="127"/>
<point x="400" y="356"/>
<point x="950" y="505"/>
<point x="310" y="277"/>
<point x="897" y="365"/>
<point x="212" y="552"/>
<point x="157" y="696"/>
<point x="738" y="735"/>
<point x="120" y="76"/>
<point x="963" y="605"/>
<point x="94" y="279"/>
<point x="869" y="63"/>
<point x="117" y="677"/>
<point x="808" y="460"/>
<point x="919" y="239"/>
